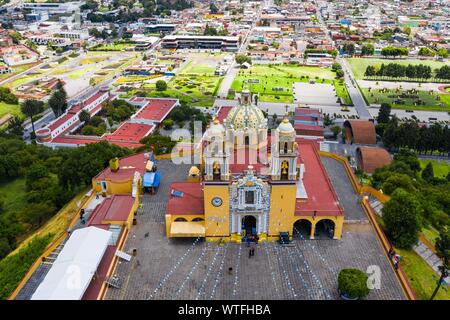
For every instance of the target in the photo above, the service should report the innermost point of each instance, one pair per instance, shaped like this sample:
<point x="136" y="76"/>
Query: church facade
<point x="251" y="186"/>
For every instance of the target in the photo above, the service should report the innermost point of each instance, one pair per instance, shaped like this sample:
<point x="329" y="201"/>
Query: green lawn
<point x="430" y="233"/>
<point x="13" y="194"/>
<point x="197" y="68"/>
<point x="359" y="65"/>
<point x="431" y="102"/>
<point x="274" y="83"/>
<point x="13" y="109"/>
<point x="440" y="168"/>
<point x="341" y="91"/>
<point x="421" y="276"/>
<point x="112" y="47"/>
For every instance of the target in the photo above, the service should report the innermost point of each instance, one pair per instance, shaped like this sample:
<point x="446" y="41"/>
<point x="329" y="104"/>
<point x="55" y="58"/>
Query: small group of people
<point x="395" y="258"/>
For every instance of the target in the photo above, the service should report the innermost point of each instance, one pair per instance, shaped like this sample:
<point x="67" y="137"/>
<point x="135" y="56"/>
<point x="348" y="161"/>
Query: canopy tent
<point x="187" y="229"/>
<point x="151" y="179"/>
<point x="73" y="269"/>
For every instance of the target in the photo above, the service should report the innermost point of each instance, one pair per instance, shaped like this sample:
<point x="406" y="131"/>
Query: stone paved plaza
<point x="194" y="269"/>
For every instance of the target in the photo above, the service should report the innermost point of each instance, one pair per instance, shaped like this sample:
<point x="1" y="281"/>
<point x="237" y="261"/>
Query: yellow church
<point x="254" y="187"/>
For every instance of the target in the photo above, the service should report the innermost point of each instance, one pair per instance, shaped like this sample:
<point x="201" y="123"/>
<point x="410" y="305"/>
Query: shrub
<point x="14" y="267"/>
<point x="352" y="283"/>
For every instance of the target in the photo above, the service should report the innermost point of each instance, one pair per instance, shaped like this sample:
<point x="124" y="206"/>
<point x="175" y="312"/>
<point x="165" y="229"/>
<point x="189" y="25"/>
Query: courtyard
<point x="194" y="269"/>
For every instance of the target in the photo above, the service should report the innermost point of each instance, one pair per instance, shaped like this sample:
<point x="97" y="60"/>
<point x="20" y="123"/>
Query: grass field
<point x="13" y="194"/>
<point x="274" y="83"/>
<point x="359" y="65"/>
<point x="440" y="168"/>
<point x="430" y="100"/>
<point x="59" y="223"/>
<point x="197" y="68"/>
<point x="112" y="47"/>
<point x="13" y="109"/>
<point x="430" y="233"/>
<point x="421" y="276"/>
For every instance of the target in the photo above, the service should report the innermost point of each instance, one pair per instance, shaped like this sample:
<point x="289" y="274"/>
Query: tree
<point x="428" y="173"/>
<point x="336" y="130"/>
<point x="241" y="58"/>
<point x="84" y="116"/>
<point x="339" y="73"/>
<point x="443" y="252"/>
<point x="161" y="85"/>
<point x="31" y="108"/>
<point x="213" y="8"/>
<point x="58" y="100"/>
<point x="384" y="113"/>
<point x="370" y="71"/>
<point x="15" y="127"/>
<point x="168" y="124"/>
<point x="352" y="283"/>
<point x="368" y="49"/>
<point x="400" y="216"/>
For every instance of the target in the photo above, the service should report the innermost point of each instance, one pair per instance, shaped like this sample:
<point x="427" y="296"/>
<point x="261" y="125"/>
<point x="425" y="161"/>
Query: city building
<point x="200" y="42"/>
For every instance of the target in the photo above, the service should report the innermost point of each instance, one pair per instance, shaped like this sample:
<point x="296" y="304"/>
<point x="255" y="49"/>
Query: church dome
<point x="246" y="117"/>
<point x="285" y="126"/>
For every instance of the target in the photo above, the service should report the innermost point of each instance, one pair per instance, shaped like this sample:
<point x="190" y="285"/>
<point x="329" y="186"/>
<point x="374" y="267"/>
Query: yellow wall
<point x="217" y="219"/>
<point x="282" y="208"/>
<point x="116" y="187"/>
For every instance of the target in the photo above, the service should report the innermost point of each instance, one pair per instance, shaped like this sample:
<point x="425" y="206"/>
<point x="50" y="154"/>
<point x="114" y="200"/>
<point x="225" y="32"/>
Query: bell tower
<point x="283" y="171"/>
<point x="217" y="154"/>
<point x="216" y="196"/>
<point x="284" y="153"/>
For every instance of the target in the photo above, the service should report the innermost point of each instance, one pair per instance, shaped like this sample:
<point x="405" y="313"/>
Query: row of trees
<point x="394" y="52"/>
<point x="396" y="70"/>
<point x="431" y="52"/>
<point x="413" y="135"/>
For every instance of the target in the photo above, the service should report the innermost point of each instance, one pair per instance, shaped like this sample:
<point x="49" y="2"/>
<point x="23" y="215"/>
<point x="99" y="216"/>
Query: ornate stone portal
<point x="249" y="196"/>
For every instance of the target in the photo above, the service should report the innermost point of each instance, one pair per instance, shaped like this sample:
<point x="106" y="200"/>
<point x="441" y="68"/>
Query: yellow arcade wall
<point x="282" y="209"/>
<point x="217" y="219"/>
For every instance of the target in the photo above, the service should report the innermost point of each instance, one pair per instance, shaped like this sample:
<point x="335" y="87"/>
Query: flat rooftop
<point x="155" y="109"/>
<point x="130" y="132"/>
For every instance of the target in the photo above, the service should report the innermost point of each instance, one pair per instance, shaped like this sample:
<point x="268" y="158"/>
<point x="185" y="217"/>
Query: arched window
<point x="198" y="219"/>
<point x="180" y="220"/>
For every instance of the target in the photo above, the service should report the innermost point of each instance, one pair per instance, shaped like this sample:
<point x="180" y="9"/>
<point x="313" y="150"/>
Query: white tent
<point x="75" y="265"/>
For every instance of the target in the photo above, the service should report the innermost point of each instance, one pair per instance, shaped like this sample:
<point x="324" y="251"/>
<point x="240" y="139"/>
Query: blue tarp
<point x="151" y="179"/>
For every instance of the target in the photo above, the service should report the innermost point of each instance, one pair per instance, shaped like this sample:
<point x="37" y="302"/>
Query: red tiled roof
<point x="321" y="195"/>
<point x="156" y="109"/>
<point x="223" y="113"/>
<point x="192" y="201"/>
<point x="242" y="158"/>
<point x="130" y="132"/>
<point x="128" y="165"/>
<point x="116" y="208"/>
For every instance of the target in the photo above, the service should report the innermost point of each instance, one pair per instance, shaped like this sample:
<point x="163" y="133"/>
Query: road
<point x="234" y="68"/>
<point x="354" y="92"/>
